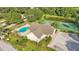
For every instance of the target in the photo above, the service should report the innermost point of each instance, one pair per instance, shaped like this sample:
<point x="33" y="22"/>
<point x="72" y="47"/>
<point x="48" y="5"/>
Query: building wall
<point x="32" y="37"/>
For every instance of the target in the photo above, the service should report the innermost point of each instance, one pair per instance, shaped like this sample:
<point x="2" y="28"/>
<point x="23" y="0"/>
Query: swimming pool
<point x="24" y="29"/>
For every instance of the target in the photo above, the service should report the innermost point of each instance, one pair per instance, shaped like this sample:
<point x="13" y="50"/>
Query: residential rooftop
<point x="40" y="29"/>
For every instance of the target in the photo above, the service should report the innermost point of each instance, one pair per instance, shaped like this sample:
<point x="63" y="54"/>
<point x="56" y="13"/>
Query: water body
<point x="24" y="29"/>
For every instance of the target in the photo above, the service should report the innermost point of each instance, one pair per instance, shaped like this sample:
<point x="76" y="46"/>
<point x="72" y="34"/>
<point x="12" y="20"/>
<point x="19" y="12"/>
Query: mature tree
<point x="12" y="16"/>
<point x="34" y="14"/>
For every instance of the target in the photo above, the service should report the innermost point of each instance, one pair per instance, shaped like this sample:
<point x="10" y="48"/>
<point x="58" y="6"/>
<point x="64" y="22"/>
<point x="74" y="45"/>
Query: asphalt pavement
<point x="5" y="46"/>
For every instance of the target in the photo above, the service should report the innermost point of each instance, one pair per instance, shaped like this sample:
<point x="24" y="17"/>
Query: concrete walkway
<point x="5" y="46"/>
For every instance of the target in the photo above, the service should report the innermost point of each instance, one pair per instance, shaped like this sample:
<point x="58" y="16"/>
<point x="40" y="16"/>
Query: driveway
<point x="5" y="46"/>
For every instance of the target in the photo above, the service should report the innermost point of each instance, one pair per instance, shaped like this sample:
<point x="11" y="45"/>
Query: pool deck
<point x="22" y="33"/>
<point x="23" y="26"/>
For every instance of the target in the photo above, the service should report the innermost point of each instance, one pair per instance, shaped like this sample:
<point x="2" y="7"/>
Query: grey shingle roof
<point x="40" y="29"/>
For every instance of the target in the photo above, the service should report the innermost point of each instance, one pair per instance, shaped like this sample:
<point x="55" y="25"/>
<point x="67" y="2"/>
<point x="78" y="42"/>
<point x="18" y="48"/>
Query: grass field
<point x="24" y="44"/>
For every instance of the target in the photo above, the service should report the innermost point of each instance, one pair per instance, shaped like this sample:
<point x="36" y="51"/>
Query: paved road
<point x="5" y="46"/>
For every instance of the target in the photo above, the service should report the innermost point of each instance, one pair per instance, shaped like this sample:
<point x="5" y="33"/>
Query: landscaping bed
<point x="24" y="44"/>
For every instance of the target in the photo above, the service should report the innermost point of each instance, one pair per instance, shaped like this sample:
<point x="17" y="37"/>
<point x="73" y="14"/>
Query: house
<point x="39" y="31"/>
<point x="25" y="16"/>
<point x="9" y="26"/>
<point x="3" y="20"/>
<point x="3" y="23"/>
<point x="35" y="31"/>
<point x="65" y="42"/>
<point x="2" y="36"/>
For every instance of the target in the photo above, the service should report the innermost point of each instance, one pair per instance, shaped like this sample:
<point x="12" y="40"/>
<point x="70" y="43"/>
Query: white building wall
<point x="32" y="37"/>
<point x="43" y="36"/>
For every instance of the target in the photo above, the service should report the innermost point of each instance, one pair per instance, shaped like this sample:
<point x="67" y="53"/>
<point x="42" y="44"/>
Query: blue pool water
<point x="24" y="29"/>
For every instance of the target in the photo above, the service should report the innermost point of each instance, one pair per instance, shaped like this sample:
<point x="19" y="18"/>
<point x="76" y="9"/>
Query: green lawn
<point x="24" y="44"/>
